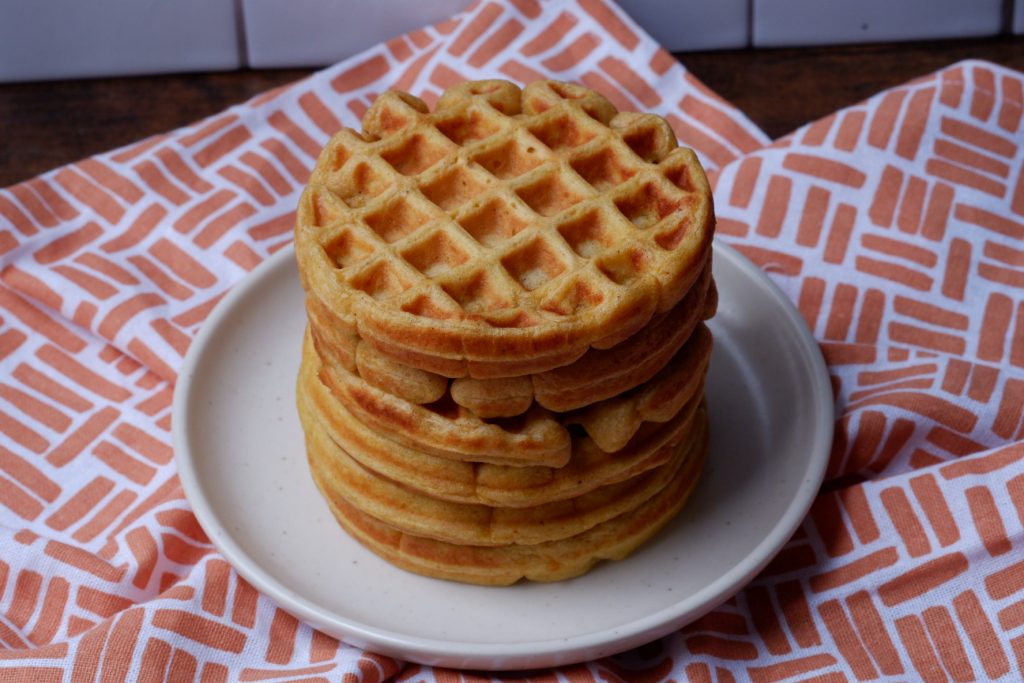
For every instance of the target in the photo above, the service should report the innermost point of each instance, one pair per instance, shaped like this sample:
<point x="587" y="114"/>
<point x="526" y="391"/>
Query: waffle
<point x="598" y="374"/>
<point x="607" y="372"/>
<point x="446" y="429"/>
<point x="504" y="233"/>
<point x="538" y="436"/>
<point x="411" y="384"/>
<point x="476" y="524"/>
<point x="588" y="468"/>
<point x="555" y="560"/>
<point x="611" y="423"/>
<point x="503" y="370"/>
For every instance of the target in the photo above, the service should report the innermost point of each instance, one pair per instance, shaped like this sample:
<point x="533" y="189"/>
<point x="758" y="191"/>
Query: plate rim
<point x="515" y="655"/>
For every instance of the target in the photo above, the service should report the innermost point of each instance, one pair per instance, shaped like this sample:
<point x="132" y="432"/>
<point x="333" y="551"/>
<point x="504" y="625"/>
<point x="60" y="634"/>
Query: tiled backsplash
<point x="693" y="24"/>
<point x="69" y="38"/>
<point x="315" y="32"/>
<point x="72" y="39"/>
<point x="823" y="22"/>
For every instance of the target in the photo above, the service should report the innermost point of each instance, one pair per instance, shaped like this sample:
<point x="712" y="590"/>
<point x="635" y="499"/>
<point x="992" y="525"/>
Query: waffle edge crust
<point x="504" y="233"/>
<point x="504" y="366"/>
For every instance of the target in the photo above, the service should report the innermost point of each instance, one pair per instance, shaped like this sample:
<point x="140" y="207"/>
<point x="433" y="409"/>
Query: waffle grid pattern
<point x="502" y="212"/>
<point x="485" y="221"/>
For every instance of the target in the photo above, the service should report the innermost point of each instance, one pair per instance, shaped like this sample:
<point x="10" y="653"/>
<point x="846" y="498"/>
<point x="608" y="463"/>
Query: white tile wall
<point x="47" y="39"/>
<point x="316" y="32"/>
<point x="817" y="22"/>
<point x="693" y="24"/>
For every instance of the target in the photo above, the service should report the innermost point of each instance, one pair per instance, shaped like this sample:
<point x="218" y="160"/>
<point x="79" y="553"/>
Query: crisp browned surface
<point x="49" y="124"/>
<point x="506" y="231"/>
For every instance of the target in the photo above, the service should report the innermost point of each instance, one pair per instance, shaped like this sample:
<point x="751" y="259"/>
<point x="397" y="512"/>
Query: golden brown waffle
<point x="503" y="234"/>
<point x="611" y="423"/>
<point x="588" y="468"/>
<point x="446" y="429"/>
<point x="538" y="436"/>
<point x="503" y="372"/>
<point x="599" y="373"/>
<point x="549" y="561"/>
<point x="413" y="512"/>
<point x="608" y="372"/>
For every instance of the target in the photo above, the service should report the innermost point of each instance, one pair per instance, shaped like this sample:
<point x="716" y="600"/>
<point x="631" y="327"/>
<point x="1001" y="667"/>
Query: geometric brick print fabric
<point x="897" y="226"/>
<point x="109" y="267"/>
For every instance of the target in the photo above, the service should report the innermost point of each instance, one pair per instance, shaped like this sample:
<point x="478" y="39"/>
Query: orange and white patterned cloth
<point x="896" y="226"/>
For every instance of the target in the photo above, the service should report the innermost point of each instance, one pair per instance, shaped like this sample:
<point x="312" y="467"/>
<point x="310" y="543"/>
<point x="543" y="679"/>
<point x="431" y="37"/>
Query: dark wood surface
<point x="44" y="125"/>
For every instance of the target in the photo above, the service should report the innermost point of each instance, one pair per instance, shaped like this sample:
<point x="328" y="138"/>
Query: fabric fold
<point x="110" y="265"/>
<point x="895" y="225"/>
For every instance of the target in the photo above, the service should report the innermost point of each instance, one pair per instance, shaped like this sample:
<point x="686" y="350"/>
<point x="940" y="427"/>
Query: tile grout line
<point x="241" y="33"/>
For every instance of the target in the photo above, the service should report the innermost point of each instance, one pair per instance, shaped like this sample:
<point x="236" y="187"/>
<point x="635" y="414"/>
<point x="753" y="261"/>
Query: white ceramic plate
<point x="242" y="462"/>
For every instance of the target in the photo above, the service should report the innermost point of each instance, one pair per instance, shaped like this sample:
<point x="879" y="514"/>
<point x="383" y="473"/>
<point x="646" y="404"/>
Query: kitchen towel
<point x="896" y="226"/>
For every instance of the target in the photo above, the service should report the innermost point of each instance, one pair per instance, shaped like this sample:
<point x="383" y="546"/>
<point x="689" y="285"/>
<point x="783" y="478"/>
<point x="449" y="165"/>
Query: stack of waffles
<point x="503" y="370"/>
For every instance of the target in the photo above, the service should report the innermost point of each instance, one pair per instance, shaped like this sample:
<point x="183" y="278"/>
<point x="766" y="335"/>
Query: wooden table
<point x="49" y="124"/>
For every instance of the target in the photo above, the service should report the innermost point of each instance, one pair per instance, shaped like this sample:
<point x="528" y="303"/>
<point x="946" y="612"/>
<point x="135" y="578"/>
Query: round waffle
<point x="444" y="428"/>
<point x="536" y="437"/>
<point x="515" y="485"/>
<point x="598" y="374"/>
<point x="415" y="513"/>
<point x="502" y="234"/>
<point x="555" y="560"/>
<point x="611" y="423"/>
<point x="607" y="372"/>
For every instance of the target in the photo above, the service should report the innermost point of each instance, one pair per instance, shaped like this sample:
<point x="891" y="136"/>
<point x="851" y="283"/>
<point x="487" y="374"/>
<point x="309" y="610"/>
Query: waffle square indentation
<point x="359" y="185"/>
<point x="588" y="234"/>
<point x="397" y="219"/>
<point x="569" y="91"/>
<point x="561" y="132"/>
<point x="675" y="231"/>
<point x="510" y="160"/>
<point x="379" y="280"/>
<point x="346" y="249"/>
<point x="511" y="318"/>
<point x="574" y="297"/>
<point x="494" y="222"/>
<point x="534" y="264"/>
<point x="681" y="175"/>
<point x="549" y="195"/>
<point x="645" y="141"/>
<point x="648" y="205"/>
<point x="469" y="126"/>
<point x="339" y="153"/>
<point x="415" y="155"/>
<point x="436" y="254"/>
<point x="623" y="266"/>
<point x="480" y="292"/>
<point x="454" y="187"/>
<point x="604" y="169"/>
<point x="325" y="209"/>
<point x="426" y="306"/>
